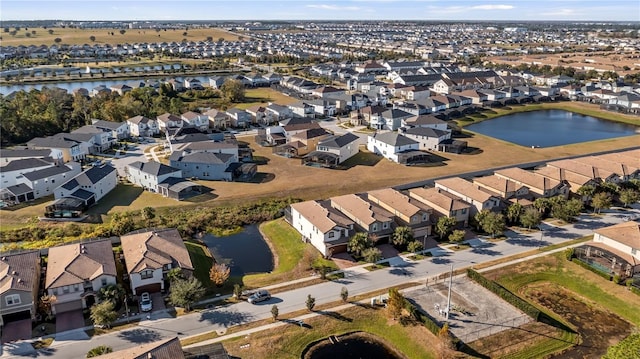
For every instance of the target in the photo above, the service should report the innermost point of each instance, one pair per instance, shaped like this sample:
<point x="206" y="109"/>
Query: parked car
<point x="145" y="302"/>
<point x="259" y="296"/>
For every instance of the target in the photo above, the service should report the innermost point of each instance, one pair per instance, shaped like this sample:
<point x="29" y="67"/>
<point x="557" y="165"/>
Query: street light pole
<point x="449" y="295"/>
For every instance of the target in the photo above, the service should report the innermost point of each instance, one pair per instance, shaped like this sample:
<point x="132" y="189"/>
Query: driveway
<point x="20" y="329"/>
<point x="158" y="302"/>
<point x="69" y="320"/>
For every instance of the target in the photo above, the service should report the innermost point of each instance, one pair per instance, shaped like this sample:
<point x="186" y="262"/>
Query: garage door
<point x="151" y="288"/>
<point x="68" y="306"/>
<point x="14" y="317"/>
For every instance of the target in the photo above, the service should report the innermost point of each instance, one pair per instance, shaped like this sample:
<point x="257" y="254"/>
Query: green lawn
<point x="201" y="260"/>
<point x="556" y="269"/>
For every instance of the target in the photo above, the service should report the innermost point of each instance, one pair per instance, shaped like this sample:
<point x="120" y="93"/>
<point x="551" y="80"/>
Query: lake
<point x="548" y="128"/>
<point x="351" y="346"/>
<point x="245" y="252"/>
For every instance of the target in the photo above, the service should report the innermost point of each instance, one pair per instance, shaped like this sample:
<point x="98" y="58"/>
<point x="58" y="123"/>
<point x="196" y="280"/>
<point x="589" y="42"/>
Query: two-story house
<point x="76" y="272"/>
<point x="443" y="203"/>
<point x="539" y="186"/>
<point x="141" y="126"/>
<point x="390" y="145"/>
<point x="336" y="149"/>
<point x="119" y="130"/>
<point x="19" y="284"/>
<point x="150" y="255"/>
<point x="616" y="248"/>
<point x="89" y="186"/>
<point x="407" y="211"/>
<point x="470" y="193"/>
<point x="149" y="175"/>
<point x="369" y="217"/>
<point x="196" y="120"/>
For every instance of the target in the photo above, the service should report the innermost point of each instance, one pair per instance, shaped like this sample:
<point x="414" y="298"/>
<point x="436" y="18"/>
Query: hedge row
<point x="635" y="290"/>
<point x="586" y="265"/>
<point x="505" y="294"/>
<point x="425" y="319"/>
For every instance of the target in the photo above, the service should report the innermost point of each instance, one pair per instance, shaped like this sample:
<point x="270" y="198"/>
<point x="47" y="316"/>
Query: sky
<point x="498" y="10"/>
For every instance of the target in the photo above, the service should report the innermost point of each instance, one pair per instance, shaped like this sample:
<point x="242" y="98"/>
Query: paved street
<point x="359" y="282"/>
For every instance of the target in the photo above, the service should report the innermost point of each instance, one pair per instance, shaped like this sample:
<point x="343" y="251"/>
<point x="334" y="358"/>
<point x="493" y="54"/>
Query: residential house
<point x="259" y="115"/>
<point x="141" y="126"/>
<point x="217" y="119"/>
<point x="369" y="217"/>
<point x="204" y="165"/>
<point x="539" y="186"/>
<point x="150" y="255"/>
<point x="502" y="187"/>
<point x="89" y="186"/>
<point x="239" y="118"/>
<point x="196" y="120"/>
<point x="304" y="142"/>
<point x="470" y="193"/>
<point x="443" y="203"/>
<point x="586" y="170"/>
<point x="364" y="115"/>
<point x="390" y="145"/>
<point x="407" y="211"/>
<point x="149" y="175"/>
<point x="323" y="226"/>
<point x="326" y="91"/>
<point x="429" y="121"/>
<point x="71" y="150"/>
<point x="323" y="107"/>
<point x="120" y="89"/>
<point x="389" y="120"/>
<point x="169" y="123"/>
<point x="279" y="112"/>
<point x="76" y="272"/>
<point x="335" y="149"/>
<point x="29" y="183"/>
<point x="19" y="286"/>
<point x="216" y="82"/>
<point x="428" y="138"/>
<point x="302" y="109"/>
<point x="623" y="171"/>
<point x="573" y="179"/>
<point x="12" y="154"/>
<point x="160" y="349"/>
<point x="616" y="248"/>
<point x="119" y="130"/>
<point x="99" y="139"/>
<point x="193" y="83"/>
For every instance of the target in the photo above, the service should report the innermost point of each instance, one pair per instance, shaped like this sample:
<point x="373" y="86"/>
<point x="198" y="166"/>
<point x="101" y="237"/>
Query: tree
<point x="530" y="218"/>
<point x="50" y="31"/>
<point x="372" y="255"/>
<point x="493" y="223"/>
<point x="542" y="204"/>
<point x="275" y="312"/>
<point x="111" y="292"/>
<point x="121" y="223"/>
<point x="310" y="302"/>
<point x="358" y="243"/>
<point x="237" y="291"/>
<point x="92" y="38"/>
<point x="402" y="236"/>
<point x="44" y="306"/>
<point x="344" y="294"/>
<point x="457" y="236"/>
<point x="122" y="32"/>
<point x="103" y="314"/>
<point x="148" y="214"/>
<point x="57" y="40"/>
<point x="445" y="225"/>
<point x="185" y="292"/>
<point x="233" y="90"/>
<point x="99" y="350"/>
<point x="414" y="246"/>
<point x="395" y="303"/>
<point x="185" y="33"/>
<point x="586" y="191"/>
<point x="174" y="273"/>
<point x="514" y="211"/>
<point x="219" y="273"/>
<point x="628" y="348"/>
<point x="628" y="196"/>
<point x="601" y="200"/>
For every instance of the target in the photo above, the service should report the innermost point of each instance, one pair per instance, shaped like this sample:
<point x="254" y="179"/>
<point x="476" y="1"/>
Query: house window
<point x="463" y="211"/>
<point x="76" y="287"/>
<point x="12" y="299"/>
<point x="65" y="289"/>
<point x="385" y="225"/>
<point x="331" y="234"/>
<point x="425" y="217"/>
<point x="146" y="274"/>
<point x="55" y="291"/>
<point x="374" y="227"/>
<point x="166" y="266"/>
<point x="103" y="281"/>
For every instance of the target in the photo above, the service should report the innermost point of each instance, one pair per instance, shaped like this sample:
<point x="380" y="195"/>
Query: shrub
<point x="617" y="279"/>
<point x="99" y="350"/>
<point x="569" y="253"/>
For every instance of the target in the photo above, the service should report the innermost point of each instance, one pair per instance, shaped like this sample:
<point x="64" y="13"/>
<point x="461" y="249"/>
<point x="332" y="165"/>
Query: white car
<point x="259" y="296"/>
<point x="145" y="302"/>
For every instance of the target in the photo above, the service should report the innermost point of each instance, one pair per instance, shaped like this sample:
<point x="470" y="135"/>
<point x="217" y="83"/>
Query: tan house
<point x="623" y="171"/>
<point x="585" y="169"/>
<point x="573" y="179"/>
<point x="630" y="158"/>
<point x="480" y="200"/>
<point x="161" y="349"/>
<point x="371" y="218"/>
<point x="19" y="284"/>
<point x="615" y="249"/>
<point x="443" y="203"/>
<point x="538" y="185"/>
<point x="76" y="272"/>
<point x="502" y="187"/>
<point x="149" y="255"/>
<point x="408" y="212"/>
<point x="307" y="141"/>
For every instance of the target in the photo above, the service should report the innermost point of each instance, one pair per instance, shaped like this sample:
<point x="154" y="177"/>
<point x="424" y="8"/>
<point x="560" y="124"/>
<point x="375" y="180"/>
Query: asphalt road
<point x="76" y="345"/>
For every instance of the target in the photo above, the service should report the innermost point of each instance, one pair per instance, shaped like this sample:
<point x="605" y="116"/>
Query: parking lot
<point x="475" y="313"/>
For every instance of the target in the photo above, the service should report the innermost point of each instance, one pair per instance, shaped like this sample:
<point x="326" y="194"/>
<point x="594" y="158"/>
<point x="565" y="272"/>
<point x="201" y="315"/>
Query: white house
<point x="76" y="272"/>
<point x="89" y="186"/>
<point x="150" y="255"/>
<point x="149" y="174"/>
<point x="389" y="144"/>
<point x="615" y="247"/>
<point x="196" y="120"/>
<point x="321" y="225"/>
<point x="119" y="130"/>
<point x="343" y="147"/>
<point x="143" y="126"/>
<point x="429" y="138"/>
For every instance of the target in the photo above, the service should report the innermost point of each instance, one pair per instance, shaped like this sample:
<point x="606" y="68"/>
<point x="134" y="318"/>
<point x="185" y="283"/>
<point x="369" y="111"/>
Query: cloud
<point x="492" y="7"/>
<point x="333" y="7"/>
<point x="561" y="12"/>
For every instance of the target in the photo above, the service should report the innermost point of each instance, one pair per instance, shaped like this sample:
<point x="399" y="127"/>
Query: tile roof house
<point x="616" y="248"/>
<point x="501" y="186"/>
<point x="539" y="186"/>
<point x="407" y="211"/>
<point x="76" y="272"/>
<point x="470" y="193"/>
<point x="149" y="255"/>
<point x="323" y="226"/>
<point x="443" y="203"/>
<point x="369" y="217"/>
<point x="19" y="285"/>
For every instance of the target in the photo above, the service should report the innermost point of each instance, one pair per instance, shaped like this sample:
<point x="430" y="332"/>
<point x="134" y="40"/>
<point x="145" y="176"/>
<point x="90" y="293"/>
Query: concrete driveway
<point x="69" y="320"/>
<point x="18" y="330"/>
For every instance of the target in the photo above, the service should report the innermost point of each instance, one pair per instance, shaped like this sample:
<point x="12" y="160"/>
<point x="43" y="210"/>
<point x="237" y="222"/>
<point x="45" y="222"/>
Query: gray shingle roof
<point x="26" y="164"/>
<point x="153" y="168"/>
<point x="46" y="172"/>
<point x="340" y="141"/>
<point x="393" y="139"/>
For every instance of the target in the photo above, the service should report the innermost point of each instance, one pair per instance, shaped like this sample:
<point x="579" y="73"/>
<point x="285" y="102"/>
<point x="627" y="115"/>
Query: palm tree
<point x="402" y="236"/>
<point x="111" y="292"/>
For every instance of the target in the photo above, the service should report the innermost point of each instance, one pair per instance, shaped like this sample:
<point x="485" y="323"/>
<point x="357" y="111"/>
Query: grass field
<point x="289" y="341"/>
<point x="103" y="36"/>
<point x="261" y="96"/>
<point x="201" y="260"/>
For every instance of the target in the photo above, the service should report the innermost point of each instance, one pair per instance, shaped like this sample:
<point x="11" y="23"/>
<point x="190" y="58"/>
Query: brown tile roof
<point x="318" y="215"/>
<point x="154" y="249"/>
<point x="627" y="233"/>
<point x="497" y="184"/>
<point x="625" y="158"/>
<point x="162" y="349"/>
<point x="527" y="178"/>
<point x="439" y="199"/>
<point x="465" y="188"/>
<point x="79" y="262"/>
<point x="356" y="207"/>
<point x="395" y="200"/>
<point x="19" y="271"/>
<point x="581" y="168"/>
<point x="626" y="256"/>
<point x="602" y="163"/>
<point x="574" y="179"/>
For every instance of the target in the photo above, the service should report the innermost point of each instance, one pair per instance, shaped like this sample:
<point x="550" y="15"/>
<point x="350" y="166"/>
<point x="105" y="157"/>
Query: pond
<point x="245" y="252"/>
<point x="548" y="128"/>
<point x="352" y="346"/>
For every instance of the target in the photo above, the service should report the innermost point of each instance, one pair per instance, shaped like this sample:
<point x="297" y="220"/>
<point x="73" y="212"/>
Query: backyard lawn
<point x="263" y="95"/>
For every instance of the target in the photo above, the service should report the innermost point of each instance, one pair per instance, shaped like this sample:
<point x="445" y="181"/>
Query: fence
<point x="492" y="328"/>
